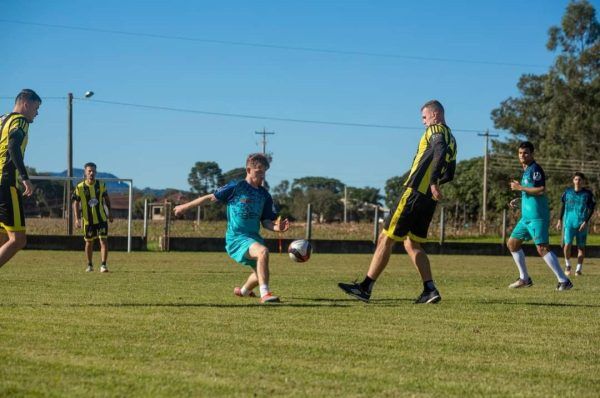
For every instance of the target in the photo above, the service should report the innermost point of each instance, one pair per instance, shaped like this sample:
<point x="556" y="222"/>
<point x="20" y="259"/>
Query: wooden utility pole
<point x="264" y="133"/>
<point x="487" y="136"/>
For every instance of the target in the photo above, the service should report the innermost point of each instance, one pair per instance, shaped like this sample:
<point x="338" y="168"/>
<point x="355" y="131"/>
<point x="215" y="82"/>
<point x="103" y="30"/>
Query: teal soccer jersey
<point x="246" y="208"/>
<point x="534" y="207"/>
<point x="578" y="204"/>
<point x="578" y="207"/>
<point x="535" y="215"/>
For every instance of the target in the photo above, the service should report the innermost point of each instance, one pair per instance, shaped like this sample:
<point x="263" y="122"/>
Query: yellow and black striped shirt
<point x="91" y="198"/>
<point x="11" y="124"/>
<point x="435" y="161"/>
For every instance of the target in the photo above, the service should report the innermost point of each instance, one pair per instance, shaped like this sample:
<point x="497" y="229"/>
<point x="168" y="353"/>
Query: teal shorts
<point x="532" y="229"/>
<point x="237" y="248"/>
<point x="571" y="230"/>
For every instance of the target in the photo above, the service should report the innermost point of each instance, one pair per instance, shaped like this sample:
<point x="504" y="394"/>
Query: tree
<point x="361" y="202"/>
<point x="308" y="183"/>
<point x="558" y="111"/>
<point x="205" y="177"/>
<point x="236" y="174"/>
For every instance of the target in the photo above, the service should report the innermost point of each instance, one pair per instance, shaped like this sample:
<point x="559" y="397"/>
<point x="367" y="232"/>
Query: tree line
<point x="558" y="111"/>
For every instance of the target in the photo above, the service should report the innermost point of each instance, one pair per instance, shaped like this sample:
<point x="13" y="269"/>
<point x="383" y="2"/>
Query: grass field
<point x="167" y="324"/>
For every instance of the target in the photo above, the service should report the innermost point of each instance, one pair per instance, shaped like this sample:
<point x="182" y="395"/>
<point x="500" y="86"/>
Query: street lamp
<point x="87" y="94"/>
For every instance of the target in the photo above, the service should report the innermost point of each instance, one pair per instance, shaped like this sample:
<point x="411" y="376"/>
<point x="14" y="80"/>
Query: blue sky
<point x="179" y="55"/>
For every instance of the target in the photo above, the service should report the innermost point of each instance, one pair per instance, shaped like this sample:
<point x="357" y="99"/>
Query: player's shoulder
<point x="437" y="129"/>
<point x="536" y="167"/>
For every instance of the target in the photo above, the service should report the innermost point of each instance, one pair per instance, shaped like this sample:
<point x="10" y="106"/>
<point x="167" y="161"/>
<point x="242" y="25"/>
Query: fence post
<point x="308" y="221"/>
<point x="442" y="226"/>
<point x="145" y="233"/>
<point x="504" y="227"/>
<point x="376" y="225"/>
<point x="167" y="210"/>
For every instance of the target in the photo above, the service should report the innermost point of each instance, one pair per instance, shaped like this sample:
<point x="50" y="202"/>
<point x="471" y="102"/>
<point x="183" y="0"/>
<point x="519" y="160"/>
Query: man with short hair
<point x="577" y="207"/>
<point x="14" y="129"/>
<point x="433" y="165"/>
<point x="90" y="198"/>
<point x="249" y="205"/>
<point x="535" y="220"/>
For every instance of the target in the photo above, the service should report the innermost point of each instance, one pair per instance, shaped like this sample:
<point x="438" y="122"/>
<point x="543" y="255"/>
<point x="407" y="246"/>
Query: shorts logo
<point x="93" y="202"/>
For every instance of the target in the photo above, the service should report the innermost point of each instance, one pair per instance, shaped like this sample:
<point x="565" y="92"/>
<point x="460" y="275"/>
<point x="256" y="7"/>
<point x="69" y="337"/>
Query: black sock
<point x="90" y="265"/>
<point x="104" y="263"/>
<point x="367" y="284"/>
<point x="428" y="286"/>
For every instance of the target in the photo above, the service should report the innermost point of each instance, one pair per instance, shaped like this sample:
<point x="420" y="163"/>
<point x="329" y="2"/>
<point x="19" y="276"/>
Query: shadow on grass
<point x="311" y="303"/>
<point x="537" y="304"/>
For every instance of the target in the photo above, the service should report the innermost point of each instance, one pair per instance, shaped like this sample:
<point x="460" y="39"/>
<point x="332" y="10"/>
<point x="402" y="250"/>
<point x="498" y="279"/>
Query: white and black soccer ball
<point x="300" y="250"/>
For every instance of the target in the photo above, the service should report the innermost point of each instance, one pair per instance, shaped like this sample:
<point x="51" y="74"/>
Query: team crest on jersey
<point x="92" y="202"/>
<point x="537" y="176"/>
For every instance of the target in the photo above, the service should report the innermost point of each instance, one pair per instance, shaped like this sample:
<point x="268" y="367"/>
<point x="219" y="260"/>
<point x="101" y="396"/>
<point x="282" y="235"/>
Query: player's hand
<point x="179" y="209"/>
<point x="28" y="188"/>
<point x="513" y="203"/>
<point x="78" y="223"/>
<point x="436" y="192"/>
<point x="583" y="226"/>
<point x="559" y="225"/>
<point x="110" y="218"/>
<point x="515" y="185"/>
<point x="282" y="225"/>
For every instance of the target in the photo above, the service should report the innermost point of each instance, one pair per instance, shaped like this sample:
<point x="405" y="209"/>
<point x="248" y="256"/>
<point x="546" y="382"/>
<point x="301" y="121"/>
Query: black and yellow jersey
<point x="14" y="128"/>
<point x="435" y="161"/>
<point x="91" y="198"/>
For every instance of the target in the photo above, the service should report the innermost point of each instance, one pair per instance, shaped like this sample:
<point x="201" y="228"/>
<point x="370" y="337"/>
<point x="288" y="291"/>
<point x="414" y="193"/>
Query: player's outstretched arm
<point x="180" y="209"/>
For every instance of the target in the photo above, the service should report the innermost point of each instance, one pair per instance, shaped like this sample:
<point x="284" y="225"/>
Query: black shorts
<point x="12" y="217"/>
<point x="410" y="216"/>
<point x="95" y="231"/>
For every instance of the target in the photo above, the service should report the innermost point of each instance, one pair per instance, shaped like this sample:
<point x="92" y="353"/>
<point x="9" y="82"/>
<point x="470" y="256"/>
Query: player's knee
<point x="262" y="252"/>
<point x="513" y="245"/>
<point x="542" y="250"/>
<point x="412" y="247"/>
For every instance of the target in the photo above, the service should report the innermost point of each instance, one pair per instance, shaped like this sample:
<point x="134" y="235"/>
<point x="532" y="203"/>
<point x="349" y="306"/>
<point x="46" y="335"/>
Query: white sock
<point x="567" y="263"/>
<point x="244" y="291"/>
<point x="264" y="290"/>
<point x="552" y="261"/>
<point x="579" y="267"/>
<point x="519" y="258"/>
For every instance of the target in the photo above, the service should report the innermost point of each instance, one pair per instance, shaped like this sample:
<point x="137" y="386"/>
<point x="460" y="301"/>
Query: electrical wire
<point x="272" y="46"/>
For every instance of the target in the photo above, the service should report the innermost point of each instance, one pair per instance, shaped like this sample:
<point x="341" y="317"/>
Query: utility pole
<point x="487" y="136"/>
<point x="264" y="133"/>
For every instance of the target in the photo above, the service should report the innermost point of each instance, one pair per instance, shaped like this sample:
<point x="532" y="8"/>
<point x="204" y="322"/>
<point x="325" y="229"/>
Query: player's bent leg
<point x="247" y="289"/>
<point x="261" y="254"/>
<point x="381" y="257"/>
<point x="430" y="294"/>
<point x="514" y="246"/>
<point x="552" y="261"/>
<point x="15" y="241"/>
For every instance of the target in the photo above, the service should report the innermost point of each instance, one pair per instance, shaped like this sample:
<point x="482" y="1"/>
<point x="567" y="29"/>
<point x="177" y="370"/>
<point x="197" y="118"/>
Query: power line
<point x="249" y="116"/>
<point x="272" y="118"/>
<point x="272" y="46"/>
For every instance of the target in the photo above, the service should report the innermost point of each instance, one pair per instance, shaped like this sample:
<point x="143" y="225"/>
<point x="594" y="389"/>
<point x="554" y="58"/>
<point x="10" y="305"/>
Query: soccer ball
<point x="300" y="250"/>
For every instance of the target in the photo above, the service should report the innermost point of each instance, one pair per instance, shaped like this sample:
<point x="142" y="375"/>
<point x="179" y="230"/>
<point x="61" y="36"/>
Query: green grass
<point x="167" y="324"/>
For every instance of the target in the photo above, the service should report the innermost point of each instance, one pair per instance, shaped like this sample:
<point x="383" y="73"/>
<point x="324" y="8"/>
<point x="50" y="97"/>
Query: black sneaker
<point x="564" y="285"/>
<point x="430" y="297"/>
<point x="354" y="290"/>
